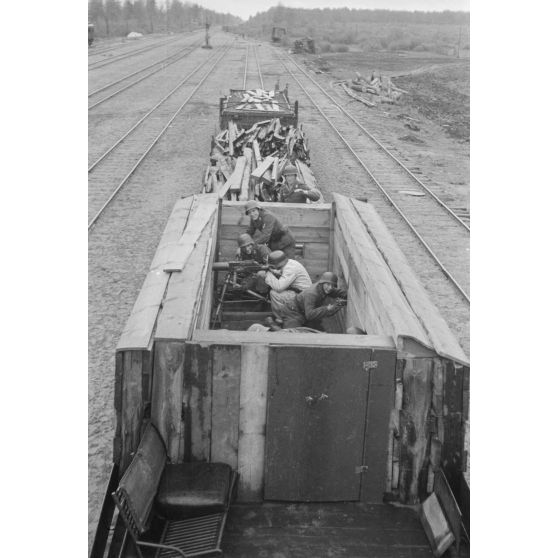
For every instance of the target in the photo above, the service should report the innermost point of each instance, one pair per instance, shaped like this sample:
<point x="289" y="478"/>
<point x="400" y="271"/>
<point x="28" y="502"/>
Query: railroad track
<point x="110" y="172"/>
<point x="154" y="68"/>
<point x="394" y="188"/>
<point x="96" y="64"/>
<point x="249" y="74"/>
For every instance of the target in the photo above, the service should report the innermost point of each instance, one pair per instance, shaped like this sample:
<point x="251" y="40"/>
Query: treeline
<point x="115" y="18"/>
<point x="289" y="17"/>
<point x="341" y="29"/>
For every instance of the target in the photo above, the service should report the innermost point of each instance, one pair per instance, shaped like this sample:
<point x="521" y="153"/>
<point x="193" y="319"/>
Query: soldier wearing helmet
<point x="294" y="191"/>
<point x="286" y="278"/>
<point x="309" y="306"/>
<point x="249" y="250"/>
<point x="266" y="229"/>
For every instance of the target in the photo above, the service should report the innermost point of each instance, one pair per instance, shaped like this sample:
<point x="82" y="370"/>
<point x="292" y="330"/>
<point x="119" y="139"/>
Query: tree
<point x="151" y="11"/>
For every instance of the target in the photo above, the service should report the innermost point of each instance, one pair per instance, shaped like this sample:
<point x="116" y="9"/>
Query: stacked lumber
<point x="248" y="163"/>
<point x="381" y="87"/>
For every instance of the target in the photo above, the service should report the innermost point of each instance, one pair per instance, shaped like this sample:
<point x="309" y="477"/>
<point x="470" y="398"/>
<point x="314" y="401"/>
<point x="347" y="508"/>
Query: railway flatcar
<point x="259" y="139"/>
<point x="253" y="442"/>
<point x="90" y="33"/>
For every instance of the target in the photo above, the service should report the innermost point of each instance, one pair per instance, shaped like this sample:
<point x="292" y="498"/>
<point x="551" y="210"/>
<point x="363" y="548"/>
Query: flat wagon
<point x="279" y="419"/>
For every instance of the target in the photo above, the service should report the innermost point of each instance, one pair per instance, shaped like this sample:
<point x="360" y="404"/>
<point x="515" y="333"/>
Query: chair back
<point x="138" y="487"/>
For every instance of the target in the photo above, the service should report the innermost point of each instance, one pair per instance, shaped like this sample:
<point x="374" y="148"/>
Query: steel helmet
<point x="328" y="277"/>
<point x="276" y="258"/>
<point x="289" y="169"/>
<point x="252" y="204"/>
<point x="244" y="240"/>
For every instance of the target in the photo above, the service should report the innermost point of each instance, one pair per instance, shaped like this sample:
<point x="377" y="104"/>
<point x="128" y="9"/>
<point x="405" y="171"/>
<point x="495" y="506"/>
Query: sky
<point x="247" y="8"/>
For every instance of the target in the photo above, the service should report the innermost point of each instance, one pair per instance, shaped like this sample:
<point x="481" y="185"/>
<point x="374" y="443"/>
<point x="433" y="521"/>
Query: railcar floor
<point x="353" y="530"/>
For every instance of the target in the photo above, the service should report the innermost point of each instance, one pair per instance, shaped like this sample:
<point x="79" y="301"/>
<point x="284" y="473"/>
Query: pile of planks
<point x="381" y="87"/>
<point x="248" y="163"/>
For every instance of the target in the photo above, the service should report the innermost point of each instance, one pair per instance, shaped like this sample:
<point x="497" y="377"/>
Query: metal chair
<point x="198" y="509"/>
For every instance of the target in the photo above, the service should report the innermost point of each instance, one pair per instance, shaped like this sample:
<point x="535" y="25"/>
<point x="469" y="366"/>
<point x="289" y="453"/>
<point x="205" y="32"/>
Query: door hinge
<point x="361" y="469"/>
<point x="369" y="365"/>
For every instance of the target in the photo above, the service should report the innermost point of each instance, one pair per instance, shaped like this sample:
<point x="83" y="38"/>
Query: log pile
<point x="247" y="164"/>
<point x="381" y="87"/>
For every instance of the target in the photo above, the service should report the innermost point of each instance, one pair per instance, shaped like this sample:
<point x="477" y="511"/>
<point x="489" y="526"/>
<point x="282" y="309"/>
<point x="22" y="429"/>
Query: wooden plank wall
<point x="181" y="382"/>
<point x="309" y="224"/>
<point x="134" y="352"/>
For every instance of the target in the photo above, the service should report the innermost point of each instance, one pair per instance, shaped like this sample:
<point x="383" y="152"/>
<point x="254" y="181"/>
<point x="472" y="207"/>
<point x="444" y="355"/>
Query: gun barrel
<point x="221" y="266"/>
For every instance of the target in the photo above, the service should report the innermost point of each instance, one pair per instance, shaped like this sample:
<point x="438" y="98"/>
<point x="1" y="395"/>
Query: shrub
<point x="340" y="48"/>
<point x="325" y="46"/>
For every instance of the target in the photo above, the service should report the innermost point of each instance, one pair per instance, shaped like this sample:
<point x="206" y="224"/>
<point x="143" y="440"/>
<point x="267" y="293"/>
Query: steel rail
<point x="142" y="69"/>
<point x="154" y="142"/>
<point x="387" y="151"/>
<point x="258" y="64"/>
<point x="122" y="89"/>
<point x="110" y="149"/>
<point x="125" y="55"/>
<point x="446" y="272"/>
<point x="245" y="68"/>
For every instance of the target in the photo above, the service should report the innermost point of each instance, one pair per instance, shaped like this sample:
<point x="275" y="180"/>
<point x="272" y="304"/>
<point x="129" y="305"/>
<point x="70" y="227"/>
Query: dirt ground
<point x="437" y="102"/>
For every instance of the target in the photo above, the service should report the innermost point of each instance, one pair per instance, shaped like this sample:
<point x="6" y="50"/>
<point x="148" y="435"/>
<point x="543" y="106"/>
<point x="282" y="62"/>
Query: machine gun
<point x="233" y="269"/>
<point x="240" y="266"/>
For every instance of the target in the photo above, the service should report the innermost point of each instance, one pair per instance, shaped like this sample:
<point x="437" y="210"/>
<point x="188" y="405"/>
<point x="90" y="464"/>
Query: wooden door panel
<point x="315" y="423"/>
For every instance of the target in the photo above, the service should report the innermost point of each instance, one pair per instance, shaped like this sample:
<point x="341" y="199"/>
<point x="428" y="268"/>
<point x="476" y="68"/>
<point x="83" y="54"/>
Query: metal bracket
<point x="361" y="469"/>
<point x="368" y="365"/>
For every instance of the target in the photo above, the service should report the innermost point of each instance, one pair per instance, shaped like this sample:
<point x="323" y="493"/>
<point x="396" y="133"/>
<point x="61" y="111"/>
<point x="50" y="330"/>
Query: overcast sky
<point x="247" y="8"/>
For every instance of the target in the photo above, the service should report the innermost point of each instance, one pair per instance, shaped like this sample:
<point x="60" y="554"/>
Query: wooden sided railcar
<point x="317" y="417"/>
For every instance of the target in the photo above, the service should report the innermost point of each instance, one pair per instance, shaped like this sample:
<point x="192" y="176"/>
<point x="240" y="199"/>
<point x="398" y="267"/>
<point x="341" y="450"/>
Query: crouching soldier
<point x="286" y="278"/>
<point x="293" y="191"/>
<point x="266" y="229"/>
<point x="309" y="308"/>
<point x="248" y="250"/>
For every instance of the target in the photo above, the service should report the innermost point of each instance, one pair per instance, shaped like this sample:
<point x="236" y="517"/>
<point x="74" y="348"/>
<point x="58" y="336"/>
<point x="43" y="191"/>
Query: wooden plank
<point x="139" y="327"/>
<point x="199" y="220"/>
<point x="252" y="421"/>
<point x="376" y="281"/>
<point x="225" y="407"/>
<point x="245" y="182"/>
<point x="223" y="337"/>
<point x="449" y="506"/>
<point x="414" y="429"/>
<point x="180" y="310"/>
<point x="452" y="449"/>
<point x="438" y="332"/>
<point x="132" y="405"/>
<point x="235" y="179"/>
<point x="168" y="380"/>
<point x="435" y="525"/>
<point x="301" y="234"/>
<point x="290" y="214"/>
<point x="196" y="402"/>
<point x="257" y="155"/>
<point x="314" y="446"/>
<point x="262" y="167"/>
<point x="377" y="435"/>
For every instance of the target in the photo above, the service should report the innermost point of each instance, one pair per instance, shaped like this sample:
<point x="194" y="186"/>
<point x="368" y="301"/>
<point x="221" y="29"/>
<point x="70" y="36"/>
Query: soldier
<point x="266" y="229"/>
<point x="309" y="308"/>
<point x="249" y="250"/>
<point x="293" y="191"/>
<point x="286" y="278"/>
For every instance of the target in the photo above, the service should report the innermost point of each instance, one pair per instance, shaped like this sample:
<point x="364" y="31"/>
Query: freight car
<point x="309" y="430"/>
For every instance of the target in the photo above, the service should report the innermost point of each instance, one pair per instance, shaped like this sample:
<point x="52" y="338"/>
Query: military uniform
<point x="308" y="309"/>
<point x="267" y="229"/>
<point x="287" y="193"/>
